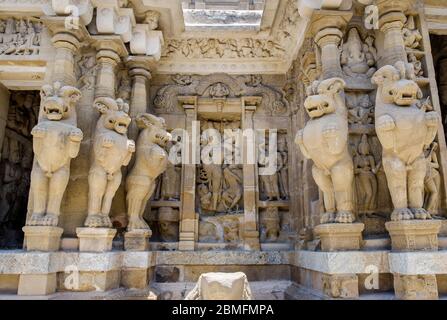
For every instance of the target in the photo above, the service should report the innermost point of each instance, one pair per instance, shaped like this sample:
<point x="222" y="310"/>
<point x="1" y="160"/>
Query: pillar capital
<point x="329" y="19"/>
<point x="328" y="36"/>
<point x="110" y="43"/>
<point x="142" y="66"/>
<point x="392" y="20"/>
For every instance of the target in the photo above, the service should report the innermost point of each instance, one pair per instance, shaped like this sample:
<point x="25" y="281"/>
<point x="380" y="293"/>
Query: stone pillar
<point x="250" y="175"/>
<point x="329" y="40"/>
<point x="391" y="25"/>
<point x="327" y="31"/>
<point x="188" y="218"/>
<point x="139" y="70"/>
<point x="66" y="47"/>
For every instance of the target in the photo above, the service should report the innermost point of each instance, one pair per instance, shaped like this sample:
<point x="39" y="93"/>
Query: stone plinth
<point x="95" y="239"/>
<point x="413" y="235"/>
<point x="42" y="238"/>
<point x="137" y="240"/>
<point x="37" y="284"/>
<point x="340" y="236"/>
<point x="415" y="287"/>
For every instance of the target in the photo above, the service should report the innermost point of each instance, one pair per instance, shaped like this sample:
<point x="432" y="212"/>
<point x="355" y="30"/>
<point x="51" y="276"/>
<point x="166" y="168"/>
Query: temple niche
<point x="16" y="164"/>
<point x="219" y="180"/>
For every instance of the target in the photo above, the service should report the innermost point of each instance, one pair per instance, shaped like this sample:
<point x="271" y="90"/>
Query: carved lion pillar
<point x="139" y="70"/>
<point x="250" y="174"/>
<point x="188" y="218"/>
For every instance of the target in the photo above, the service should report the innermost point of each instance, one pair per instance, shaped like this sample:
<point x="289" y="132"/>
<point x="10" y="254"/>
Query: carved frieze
<point x="20" y="36"/>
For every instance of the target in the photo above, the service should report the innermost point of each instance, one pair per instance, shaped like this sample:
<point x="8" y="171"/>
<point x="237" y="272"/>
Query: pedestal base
<point x="95" y="239"/>
<point x="137" y="240"/>
<point x="37" y="284"/>
<point x="415" y="287"/>
<point x="340" y="236"/>
<point x="413" y="235"/>
<point x="42" y="238"/>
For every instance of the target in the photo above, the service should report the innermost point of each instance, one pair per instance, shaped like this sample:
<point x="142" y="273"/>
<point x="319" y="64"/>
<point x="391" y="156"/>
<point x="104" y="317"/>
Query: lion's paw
<point x="98" y="221"/>
<point x="344" y="217"/>
<point x="327" y="217"/>
<point x="420" y="213"/>
<point x="35" y="219"/>
<point x="137" y="223"/>
<point x="49" y="220"/>
<point x="402" y="214"/>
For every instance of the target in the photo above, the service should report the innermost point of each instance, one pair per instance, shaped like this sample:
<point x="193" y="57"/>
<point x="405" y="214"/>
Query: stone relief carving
<point x="56" y="140"/>
<point x="219" y="184"/>
<point x="124" y="86"/>
<point x="365" y="170"/>
<point x="86" y="70"/>
<point x="151" y="18"/>
<point x="358" y="57"/>
<point x="221" y="229"/>
<point x="403" y="130"/>
<point x="417" y="64"/>
<point x="210" y="48"/>
<point x="432" y="181"/>
<point x="151" y="161"/>
<point x="15" y="166"/>
<point x="289" y="23"/>
<point x="360" y="110"/>
<point x="324" y="139"/>
<point x="273" y="101"/>
<point x="20" y="36"/>
<point x="168" y="224"/>
<point x="111" y="151"/>
<point x="411" y="35"/>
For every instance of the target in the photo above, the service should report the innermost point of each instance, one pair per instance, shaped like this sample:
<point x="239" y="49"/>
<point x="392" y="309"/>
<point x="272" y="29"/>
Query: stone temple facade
<point x="145" y="142"/>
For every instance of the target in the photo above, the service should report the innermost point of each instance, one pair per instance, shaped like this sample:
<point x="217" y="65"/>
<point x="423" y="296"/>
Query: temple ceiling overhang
<point x="196" y="36"/>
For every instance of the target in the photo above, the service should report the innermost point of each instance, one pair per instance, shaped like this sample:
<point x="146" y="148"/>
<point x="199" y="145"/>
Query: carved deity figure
<point x="270" y="227"/>
<point x="211" y="153"/>
<point x="365" y="170"/>
<point x="151" y="161"/>
<point x="357" y="59"/>
<point x="269" y="178"/>
<point x="403" y="130"/>
<point x="418" y="71"/>
<point x="432" y="181"/>
<point x="56" y="140"/>
<point x="233" y="191"/>
<point x="412" y="36"/>
<point x="283" y="165"/>
<point x="324" y="139"/>
<point x="111" y="151"/>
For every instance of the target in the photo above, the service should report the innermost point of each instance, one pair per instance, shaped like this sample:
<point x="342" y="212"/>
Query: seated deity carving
<point x="358" y="58"/>
<point x="404" y="129"/>
<point x="324" y="139"/>
<point x="111" y="151"/>
<point x="151" y="160"/>
<point x="56" y="140"/>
